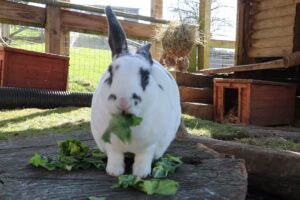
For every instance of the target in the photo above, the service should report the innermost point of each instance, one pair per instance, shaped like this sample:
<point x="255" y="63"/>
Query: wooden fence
<point x="58" y="20"/>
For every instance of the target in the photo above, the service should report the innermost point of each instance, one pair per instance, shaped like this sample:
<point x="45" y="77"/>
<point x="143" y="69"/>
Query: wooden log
<point x="89" y="23"/>
<point x="52" y="30"/>
<point x="274" y="22"/>
<point x="269" y="4"/>
<point x="193" y="79"/>
<point x="204" y="175"/>
<point x="273" y="32"/>
<point x="274" y="171"/>
<point x="275" y="12"/>
<point x="279" y="63"/>
<point x="270" y="52"/>
<point x="273" y="42"/>
<point x="16" y="13"/>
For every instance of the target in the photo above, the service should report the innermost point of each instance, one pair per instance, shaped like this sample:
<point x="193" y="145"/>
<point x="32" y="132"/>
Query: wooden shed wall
<point x="272" y="28"/>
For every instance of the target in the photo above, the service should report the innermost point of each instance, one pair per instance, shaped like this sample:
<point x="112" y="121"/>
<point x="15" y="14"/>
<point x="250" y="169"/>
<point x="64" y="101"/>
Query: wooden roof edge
<point x="285" y="62"/>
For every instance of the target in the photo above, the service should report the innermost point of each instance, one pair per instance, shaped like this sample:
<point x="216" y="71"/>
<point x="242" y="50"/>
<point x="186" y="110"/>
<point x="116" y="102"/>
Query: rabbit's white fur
<point x="158" y="105"/>
<point x="160" y="111"/>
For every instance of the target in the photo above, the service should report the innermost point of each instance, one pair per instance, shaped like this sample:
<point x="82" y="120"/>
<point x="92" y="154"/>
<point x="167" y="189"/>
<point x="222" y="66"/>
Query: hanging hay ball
<point x="177" y="40"/>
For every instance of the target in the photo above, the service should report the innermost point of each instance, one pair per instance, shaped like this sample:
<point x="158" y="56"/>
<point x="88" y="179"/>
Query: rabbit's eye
<point x="144" y="78"/>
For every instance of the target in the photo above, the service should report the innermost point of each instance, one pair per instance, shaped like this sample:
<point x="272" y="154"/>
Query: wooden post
<point x="53" y="30"/>
<point x="4" y="31"/>
<point x="65" y="40"/>
<point x="157" y="12"/>
<point x="204" y="51"/>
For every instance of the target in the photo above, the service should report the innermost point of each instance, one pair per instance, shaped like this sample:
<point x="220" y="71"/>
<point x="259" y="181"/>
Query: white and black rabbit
<point x="135" y="84"/>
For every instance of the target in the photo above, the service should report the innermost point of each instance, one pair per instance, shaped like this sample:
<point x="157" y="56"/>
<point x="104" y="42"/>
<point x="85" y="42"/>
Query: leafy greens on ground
<point x="73" y="155"/>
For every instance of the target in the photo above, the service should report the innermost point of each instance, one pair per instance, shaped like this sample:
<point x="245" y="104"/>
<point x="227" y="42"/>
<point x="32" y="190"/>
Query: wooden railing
<point x="58" y="21"/>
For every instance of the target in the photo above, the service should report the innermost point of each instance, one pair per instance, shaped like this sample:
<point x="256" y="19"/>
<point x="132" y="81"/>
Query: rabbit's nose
<point x="123" y="104"/>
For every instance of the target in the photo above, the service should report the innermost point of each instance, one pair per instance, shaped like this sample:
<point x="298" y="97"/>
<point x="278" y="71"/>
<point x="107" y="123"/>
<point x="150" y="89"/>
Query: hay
<point x="178" y="39"/>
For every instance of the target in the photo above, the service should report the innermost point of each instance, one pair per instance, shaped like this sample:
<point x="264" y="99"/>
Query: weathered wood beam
<point x="276" y="12"/>
<point x="273" y="32"/>
<point x="205" y="17"/>
<point x="269" y="4"/>
<point x="156" y="12"/>
<point x="273" y="42"/>
<point x="274" y="22"/>
<point x="52" y="30"/>
<point x="270" y="51"/>
<point x="21" y="14"/>
<point x="64" y="4"/>
<point x="89" y="23"/>
<point x="266" y="65"/>
<point x="222" y="44"/>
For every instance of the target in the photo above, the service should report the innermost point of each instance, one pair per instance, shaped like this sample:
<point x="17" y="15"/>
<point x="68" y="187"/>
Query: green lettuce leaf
<point x="151" y="186"/>
<point x="73" y="155"/>
<point x="120" y="126"/>
<point x="97" y="198"/>
<point x="165" y="165"/>
<point x="42" y="161"/>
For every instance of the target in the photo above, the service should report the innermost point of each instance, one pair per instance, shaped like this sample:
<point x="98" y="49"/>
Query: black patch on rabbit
<point x="144" y="78"/>
<point x="109" y="79"/>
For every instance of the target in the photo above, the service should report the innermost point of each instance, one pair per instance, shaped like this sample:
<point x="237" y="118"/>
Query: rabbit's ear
<point x="116" y="36"/>
<point x="145" y="52"/>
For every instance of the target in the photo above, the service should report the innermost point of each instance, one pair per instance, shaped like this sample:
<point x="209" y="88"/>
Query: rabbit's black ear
<point x="145" y="52"/>
<point x="116" y="36"/>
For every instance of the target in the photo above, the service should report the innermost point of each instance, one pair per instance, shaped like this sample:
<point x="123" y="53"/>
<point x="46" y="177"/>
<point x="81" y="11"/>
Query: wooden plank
<point x="193" y="80"/>
<point x="197" y="95"/>
<point x="274" y="22"/>
<point x="156" y="12"/>
<point x="202" y="176"/>
<point x="199" y="110"/>
<point x="270" y="52"/>
<point x="273" y="42"/>
<point x="239" y="45"/>
<point x="52" y="30"/>
<point x="269" y="4"/>
<point x="273" y="32"/>
<point x="21" y="14"/>
<point x="297" y="30"/>
<point x="275" y="12"/>
<point x="89" y="23"/>
<point x="222" y="44"/>
<point x="280" y="63"/>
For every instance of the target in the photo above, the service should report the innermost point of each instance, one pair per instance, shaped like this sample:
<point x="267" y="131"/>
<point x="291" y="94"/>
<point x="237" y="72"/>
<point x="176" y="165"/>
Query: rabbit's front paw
<point x="142" y="165"/>
<point x="115" y="164"/>
<point x="142" y="170"/>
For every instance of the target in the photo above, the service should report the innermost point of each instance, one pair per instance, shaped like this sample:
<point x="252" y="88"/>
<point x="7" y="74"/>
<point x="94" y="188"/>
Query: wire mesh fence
<point x="221" y="57"/>
<point x="89" y="54"/>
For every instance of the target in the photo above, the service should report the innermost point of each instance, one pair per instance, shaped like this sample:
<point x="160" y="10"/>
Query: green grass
<point x="26" y="122"/>
<point x="272" y="142"/>
<point x="214" y="130"/>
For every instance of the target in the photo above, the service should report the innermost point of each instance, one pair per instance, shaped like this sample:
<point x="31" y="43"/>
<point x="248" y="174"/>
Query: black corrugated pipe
<point x="40" y="98"/>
